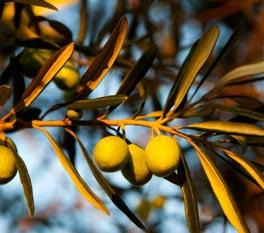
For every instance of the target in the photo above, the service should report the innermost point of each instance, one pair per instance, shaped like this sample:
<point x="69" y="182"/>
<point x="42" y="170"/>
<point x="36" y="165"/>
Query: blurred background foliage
<point x="173" y="25"/>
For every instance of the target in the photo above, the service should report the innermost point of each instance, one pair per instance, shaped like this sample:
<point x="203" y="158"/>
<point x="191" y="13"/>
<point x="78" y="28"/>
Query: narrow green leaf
<point x="115" y="198"/>
<point x="199" y="55"/>
<point x="138" y="72"/>
<point x="242" y="140"/>
<point x="240" y="111"/>
<point x="44" y="76"/>
<point x="56" y="25"/>
<point x="255" y="141"/>
<point x="239" y="74"/>
<point x="26" y="183"/>
<point x="40" y="3"/>
<point x="100" y="102"/>
<point x="83" y="21"/>
<point x="80" y="184"/>
<point x="175" y="87"/>
<point x="190" y="202"/>
<point x="221" y="191"/>
<point x="220" y="56"/>
<point x="103" y="61"/>
<point x="228" y="127"/>
<point x="247" y="165"/>
<point x="37" y="43"/>
<point x="235" y="166"/>
<point x="5" y="94"/>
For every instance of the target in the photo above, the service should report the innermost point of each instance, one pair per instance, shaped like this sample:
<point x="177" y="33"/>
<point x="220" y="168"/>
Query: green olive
<point x="136" y="170"/>
<point x="74" y="114"/>
<point x="31" y="60"/>
<point x="68" y="77"/>
<point x="8" y="167"/>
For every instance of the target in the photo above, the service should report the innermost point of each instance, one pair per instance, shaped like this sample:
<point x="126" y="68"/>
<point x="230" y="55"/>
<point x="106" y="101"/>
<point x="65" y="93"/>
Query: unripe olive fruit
<point x="136" y="170"/>
<point x="68" y="77"/>
<point x="31" y="60"/>
<point x="74" y="114"/>
<point x="8" y="142"/>
<point x="111" y="153"/>
<point x="162" y="155"/>
<point x="8" y="167"/>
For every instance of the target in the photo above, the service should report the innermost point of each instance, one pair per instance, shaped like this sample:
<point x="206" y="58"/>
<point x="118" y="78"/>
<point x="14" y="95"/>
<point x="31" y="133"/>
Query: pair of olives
<point x="8" y="168"/>
<point x="161" y="157"/>
<point x="30" y="61"/>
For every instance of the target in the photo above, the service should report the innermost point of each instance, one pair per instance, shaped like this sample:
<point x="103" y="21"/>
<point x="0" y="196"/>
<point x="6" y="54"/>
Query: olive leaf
<point x="235" y="166"/>
<point x="192" y="65"/>
<point x="111" y="193"/>
<point x="240" y="111"/>
<point x="80" y="184"/>
<point x="190" y="202"/>
<point x="37" y="43"/>
<point x="83" y="21"/>
<point x="247" y="165"/>
<point x="56" y="25"/>
<point x="220" y="56"/>
<point x="5" y="94"/>
<point x="137" y="73"/>
<point x="41" y="3"/>
<point x="103" y="61"/>
<point x="228" y="127"/>
<point x="26" y="183"/>
<point x="44" y="76"/>
<point x="100" y="102"/>
<point x="221" y="191"/>
<point x="238" y="74"/>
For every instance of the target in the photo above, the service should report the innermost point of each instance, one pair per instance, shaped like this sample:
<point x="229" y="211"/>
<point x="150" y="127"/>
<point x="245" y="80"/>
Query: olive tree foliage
<point x="198" y="110"/>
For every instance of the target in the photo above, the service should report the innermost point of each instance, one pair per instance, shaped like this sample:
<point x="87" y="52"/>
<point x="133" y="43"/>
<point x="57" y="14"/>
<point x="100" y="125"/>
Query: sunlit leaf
<point x="191" y="67"/>
<point x="26" y="183"/>
<point x="5" y="94"/>
<point x="228" y="127"/>
<point x="239" y="74"/>
<point x="56" y="25"/>
<point x="103" y="61"/>
<point x="235" y="166"/>
<point x="190" y="202"/>
<point x="80" y="184"/>
<point x="41" y="3"/>
<point x="220" y="56"/>
<point x="221" y="191"/>
<point x="115" y="198"/>
<point x="44" y="76"/>
<point x="100" y="102"/>
<point x="247" y="165"/>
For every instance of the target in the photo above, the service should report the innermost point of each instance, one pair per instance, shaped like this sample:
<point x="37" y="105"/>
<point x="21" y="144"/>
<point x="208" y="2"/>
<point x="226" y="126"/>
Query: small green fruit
<point x="68" y="77"/>
<point x="74" y="114"/>
<point x="111" y="153"/>
<point x="8" y="167"/>
<point x="8" y="142"/>
<point x="31" y="60"/>
<point x="162" y="155"/>
<point x="136" y="170"/>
